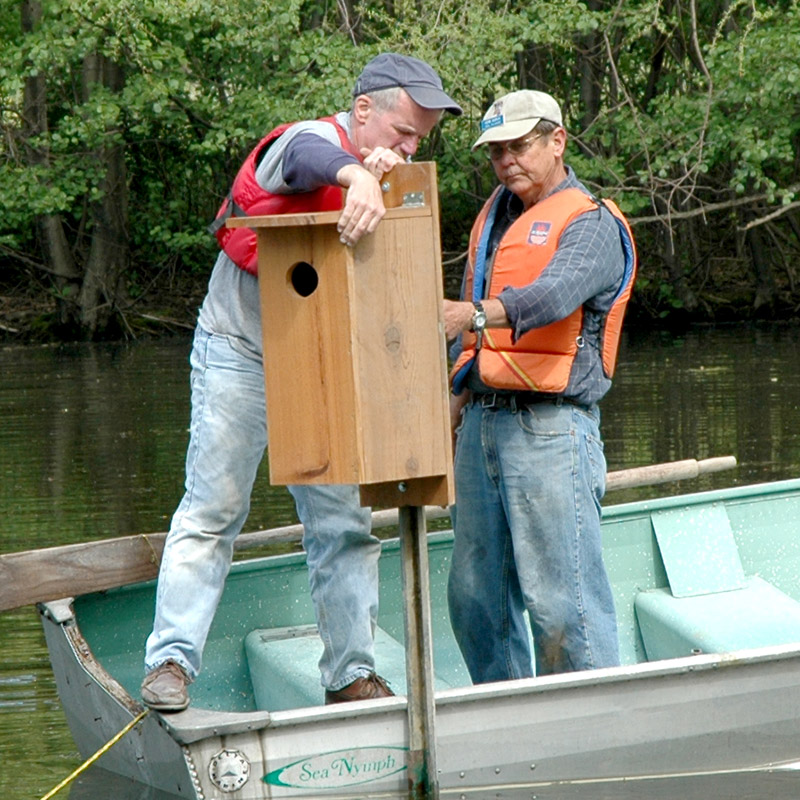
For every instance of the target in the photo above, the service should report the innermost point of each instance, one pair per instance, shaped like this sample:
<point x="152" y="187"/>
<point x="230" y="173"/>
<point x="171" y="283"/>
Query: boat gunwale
<point x="665" y="668"/>
<point x="730" y="494"/>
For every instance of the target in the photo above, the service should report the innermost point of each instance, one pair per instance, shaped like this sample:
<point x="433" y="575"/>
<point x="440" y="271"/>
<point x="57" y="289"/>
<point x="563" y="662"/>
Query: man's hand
<point x="457" y="403"/>
<point x="380" y="160"/>
<point x="458" y="316"/>
<point x="363" y="207"/>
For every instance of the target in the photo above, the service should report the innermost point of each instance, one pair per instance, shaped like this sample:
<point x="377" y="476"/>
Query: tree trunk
<point x="764" y="300"/>
<point x="591" y="64"/>
<point x="531" y="69"/>
<point x="55" y="247"/>
<point x="103" y="289"/>
<point x="672" y="259"/>
<point x="89" y="295"/>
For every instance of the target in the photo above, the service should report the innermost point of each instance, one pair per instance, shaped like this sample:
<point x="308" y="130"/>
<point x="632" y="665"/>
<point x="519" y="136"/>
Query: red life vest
<point x="541" y="359"/>
<point x="247" y="199"/>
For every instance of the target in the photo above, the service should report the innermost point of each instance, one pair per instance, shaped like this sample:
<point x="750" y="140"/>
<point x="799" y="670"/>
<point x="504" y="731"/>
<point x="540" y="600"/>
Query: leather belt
<point x="517" y="400"/>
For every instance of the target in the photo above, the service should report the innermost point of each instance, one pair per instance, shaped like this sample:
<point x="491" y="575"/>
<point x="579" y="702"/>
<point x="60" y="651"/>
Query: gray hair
<point x="387" y="99"/>
<point x="383" y="99"/>
<point x="544" y="127"/>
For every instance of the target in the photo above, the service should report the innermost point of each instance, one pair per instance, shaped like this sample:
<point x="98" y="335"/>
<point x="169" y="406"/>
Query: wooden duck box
<point x="355" y="360"/>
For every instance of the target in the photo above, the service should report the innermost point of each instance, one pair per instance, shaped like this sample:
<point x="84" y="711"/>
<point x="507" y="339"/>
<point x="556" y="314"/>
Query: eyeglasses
<point x="516" y="148"/>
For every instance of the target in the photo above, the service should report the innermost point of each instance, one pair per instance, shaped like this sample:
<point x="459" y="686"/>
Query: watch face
<point x="479" y="319"/>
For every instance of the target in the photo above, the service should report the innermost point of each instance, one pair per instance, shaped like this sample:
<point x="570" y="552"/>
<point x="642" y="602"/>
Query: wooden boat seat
<point x="284" y="671"/>
<point x="710" y="605"/>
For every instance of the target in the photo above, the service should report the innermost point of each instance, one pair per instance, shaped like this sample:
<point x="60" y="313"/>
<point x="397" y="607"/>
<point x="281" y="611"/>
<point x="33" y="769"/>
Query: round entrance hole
<point x="303" y="278"/>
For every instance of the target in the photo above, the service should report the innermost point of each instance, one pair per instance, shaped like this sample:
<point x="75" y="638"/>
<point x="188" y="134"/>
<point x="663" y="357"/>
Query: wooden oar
<point x="35" y="576"/>
<point x="663" y="473"/>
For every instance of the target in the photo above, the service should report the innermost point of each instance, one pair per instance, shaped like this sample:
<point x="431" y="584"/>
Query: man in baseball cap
<point x="549" y="273"/>
<point x="297" y="166"/>
<point x="419" y="80"/>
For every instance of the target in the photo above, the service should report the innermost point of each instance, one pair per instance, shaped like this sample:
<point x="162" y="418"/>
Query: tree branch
<point x="708" y="208"/>
<point x="777" y="213"/>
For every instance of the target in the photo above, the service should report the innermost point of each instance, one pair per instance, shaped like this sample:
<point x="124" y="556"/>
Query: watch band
<point x="478" y="323"/>
<point x="479" y="309"/>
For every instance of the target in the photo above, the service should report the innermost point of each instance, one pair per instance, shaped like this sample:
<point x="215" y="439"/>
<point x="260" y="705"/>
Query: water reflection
<point x="93" y="443"/>
<point x="97" y="784"/>
<point x="92" y="446"/>
<point x="16" y="692"/>
<point x="36" y="748"/>
<point x="732" y="391"/>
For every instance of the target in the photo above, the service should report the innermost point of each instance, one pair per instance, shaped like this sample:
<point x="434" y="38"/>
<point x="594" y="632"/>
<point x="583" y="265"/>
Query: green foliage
<point x="668" y="114"/>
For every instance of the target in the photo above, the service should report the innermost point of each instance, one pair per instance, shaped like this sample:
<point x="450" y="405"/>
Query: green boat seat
<point x="756" y="615"/>
<point x="284" y="671"/>
<point x="710" y="605"/>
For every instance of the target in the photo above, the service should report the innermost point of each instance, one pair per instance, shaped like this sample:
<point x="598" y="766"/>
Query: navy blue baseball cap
<point x="419" y="80"/>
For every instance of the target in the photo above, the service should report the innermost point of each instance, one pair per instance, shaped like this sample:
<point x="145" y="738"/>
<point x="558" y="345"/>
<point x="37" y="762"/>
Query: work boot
<point x="164" y="688"/>
<point x="360" y="689"/>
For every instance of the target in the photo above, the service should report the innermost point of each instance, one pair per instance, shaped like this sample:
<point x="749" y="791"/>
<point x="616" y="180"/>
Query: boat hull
<point x="706" y="713"/>
<point x="692" y="714"/>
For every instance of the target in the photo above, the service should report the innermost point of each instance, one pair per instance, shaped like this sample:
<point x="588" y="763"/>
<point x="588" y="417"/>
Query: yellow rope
<point x="89" y="761"/>
<point x="153" y="554"/>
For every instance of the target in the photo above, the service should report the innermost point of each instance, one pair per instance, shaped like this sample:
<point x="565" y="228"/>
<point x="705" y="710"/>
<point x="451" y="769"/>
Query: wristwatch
<point x="478" y="321"/>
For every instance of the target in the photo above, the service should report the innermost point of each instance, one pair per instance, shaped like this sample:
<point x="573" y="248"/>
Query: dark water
<point x="92" y="442"/>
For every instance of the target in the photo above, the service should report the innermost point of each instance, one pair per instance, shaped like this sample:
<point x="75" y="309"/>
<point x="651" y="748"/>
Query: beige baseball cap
<point x="516" y="114"/>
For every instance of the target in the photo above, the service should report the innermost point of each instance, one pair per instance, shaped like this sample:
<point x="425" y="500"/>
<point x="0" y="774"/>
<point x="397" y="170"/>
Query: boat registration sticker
<point x="340" y="768"/>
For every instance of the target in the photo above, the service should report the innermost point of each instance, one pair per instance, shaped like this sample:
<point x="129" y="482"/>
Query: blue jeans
<point x="527" y="536"/>
<point x="228" y="437"/>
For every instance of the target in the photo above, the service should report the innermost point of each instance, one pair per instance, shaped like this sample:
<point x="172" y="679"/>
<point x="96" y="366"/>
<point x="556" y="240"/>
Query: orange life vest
<point x="247" y="199"/>
<point x="541" y="359"/>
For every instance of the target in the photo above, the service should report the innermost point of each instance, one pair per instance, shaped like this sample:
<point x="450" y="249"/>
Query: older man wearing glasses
<point x="549" y="274"/>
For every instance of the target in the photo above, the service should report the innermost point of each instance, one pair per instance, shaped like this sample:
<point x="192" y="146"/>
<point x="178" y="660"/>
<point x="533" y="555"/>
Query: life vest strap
<point x="231" y="210"/>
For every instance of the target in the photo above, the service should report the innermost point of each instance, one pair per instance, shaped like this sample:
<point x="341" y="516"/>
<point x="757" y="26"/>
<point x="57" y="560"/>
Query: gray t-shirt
<point x="231" y="306"/>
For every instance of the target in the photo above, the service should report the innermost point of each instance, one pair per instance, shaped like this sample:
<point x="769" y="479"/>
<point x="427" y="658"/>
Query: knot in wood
<point x="392" y="338"/>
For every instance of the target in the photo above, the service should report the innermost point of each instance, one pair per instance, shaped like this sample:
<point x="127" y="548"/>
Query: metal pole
<point x="423" y="781"/>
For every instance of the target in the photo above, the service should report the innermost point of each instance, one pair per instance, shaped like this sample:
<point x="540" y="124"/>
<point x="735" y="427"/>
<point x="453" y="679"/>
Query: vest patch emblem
<point x="539" y="233"/>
